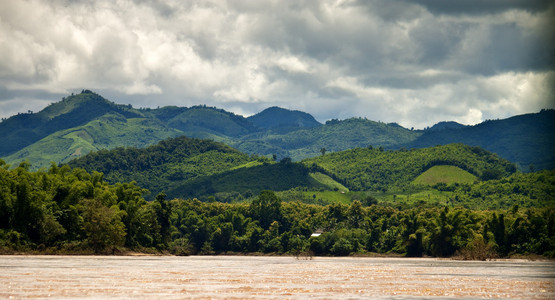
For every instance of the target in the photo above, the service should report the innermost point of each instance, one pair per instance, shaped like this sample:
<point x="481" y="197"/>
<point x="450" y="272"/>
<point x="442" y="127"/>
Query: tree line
<point x="64" y="210"/>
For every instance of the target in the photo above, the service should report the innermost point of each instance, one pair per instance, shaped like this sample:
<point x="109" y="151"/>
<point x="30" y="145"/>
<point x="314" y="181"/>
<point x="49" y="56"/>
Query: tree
<point x="102" y="225"/>
<point x="163" y="214"/>
<point x="323" y="151"/>
<point x="266" y="208"/>
<point x="355" y="214"/>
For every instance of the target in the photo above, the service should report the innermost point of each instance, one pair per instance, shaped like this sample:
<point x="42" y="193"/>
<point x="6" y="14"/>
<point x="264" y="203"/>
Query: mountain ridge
<point x="527" y="140"/>
<point x="283" y="120"/>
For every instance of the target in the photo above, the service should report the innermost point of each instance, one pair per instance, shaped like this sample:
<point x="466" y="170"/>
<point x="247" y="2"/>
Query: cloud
<point x="482" y="7"/>
<point x="412" y="62"/>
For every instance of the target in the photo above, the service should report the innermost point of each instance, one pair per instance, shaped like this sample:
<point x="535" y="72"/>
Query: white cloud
<point x="393" y="61"/>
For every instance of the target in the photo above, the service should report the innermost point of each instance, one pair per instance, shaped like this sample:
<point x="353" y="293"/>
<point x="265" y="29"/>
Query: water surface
<point x="239" y="277"/>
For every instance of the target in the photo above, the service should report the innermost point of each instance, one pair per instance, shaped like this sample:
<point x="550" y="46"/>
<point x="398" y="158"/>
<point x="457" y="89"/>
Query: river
<point x="240" y="277"/>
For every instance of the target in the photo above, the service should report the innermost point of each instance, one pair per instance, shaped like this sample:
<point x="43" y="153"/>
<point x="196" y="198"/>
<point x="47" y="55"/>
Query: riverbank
<point x="302" y="256"/>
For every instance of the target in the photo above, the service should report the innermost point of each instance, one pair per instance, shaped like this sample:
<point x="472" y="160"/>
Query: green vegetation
<point x="237" y="184"/>
<point x="167" y="165"/>
<point x="23" y="130"/>
<point x="444" y="200"/>
<point x="527" y="140"/>
<point x="452" y="175"/>
<point x="328" y="182"/>
<point x="109" y="131"/>
<point x="334" y="136"/>
<point x="373" y="169"/>
<point x="65" y="210"/>
<point x="444" y="174"/>
<point x="87" y="122"/>
<point x="283" y="120"/>
<point x="202" y="122"/>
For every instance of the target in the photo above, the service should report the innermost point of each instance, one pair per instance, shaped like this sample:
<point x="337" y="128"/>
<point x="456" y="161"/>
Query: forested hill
<point x="70" y="211"/>
<point x="184" y="167"/>
<point x="283" y="120"/>
<point x="87" y="122"/>
<point x="379" y="170"/>
<point x="166" y="165"/>
<point x="25" y="129"/>
<point x="204" y="122"/>
<point x="335" y="135"/>
<point x="528" y="140"/>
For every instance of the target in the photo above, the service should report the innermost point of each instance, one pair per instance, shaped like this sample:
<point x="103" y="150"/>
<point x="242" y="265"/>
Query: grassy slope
<point x="252" y="180"/>
<point x="371" y="169"/>
<point x="23" y="130"/>
<point x="444" y="174"/>
<point x="109" y="131"/>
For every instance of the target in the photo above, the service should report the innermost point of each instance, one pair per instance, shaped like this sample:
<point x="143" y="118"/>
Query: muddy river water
<point x="240" y="277"/>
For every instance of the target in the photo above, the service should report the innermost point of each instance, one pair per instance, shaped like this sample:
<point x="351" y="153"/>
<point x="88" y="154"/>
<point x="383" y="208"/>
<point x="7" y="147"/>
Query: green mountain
<point x="283" y="120"/>
<point x="185" y="168"/>
<point x="446" y="125"/>
<point x="166" y="165"/>
<point x="373" y="169"/>
<point x="209" y="122"/>
<point x="105" y="132"/>
<point x="527" y="140"/>
<point x="22" y="130"/>
<point x="86" y="122"/>
<point x="248" y="181"/>
<point x="334" y="136"/>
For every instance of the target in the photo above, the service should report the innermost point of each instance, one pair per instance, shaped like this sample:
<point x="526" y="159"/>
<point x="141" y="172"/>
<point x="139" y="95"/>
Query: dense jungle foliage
<point x="168" y="164"/>
<point x="64" y="210"/>
<point x="376" y="169"/>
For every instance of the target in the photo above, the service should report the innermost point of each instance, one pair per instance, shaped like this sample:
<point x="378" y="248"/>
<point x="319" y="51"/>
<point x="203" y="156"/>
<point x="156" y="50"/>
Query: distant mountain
<point x="86" y="122"/>
<point x="446" y="125"/>
<point x="283" y="120"/>
<point x="23" y="130"/>
<point x="335" y="135"/>
<point x="528" y="140"/>
<point x="105" y="132"/>
<point x="207" y="122"/>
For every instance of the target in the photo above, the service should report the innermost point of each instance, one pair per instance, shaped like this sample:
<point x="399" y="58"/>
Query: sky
<point x="414" y="62"/>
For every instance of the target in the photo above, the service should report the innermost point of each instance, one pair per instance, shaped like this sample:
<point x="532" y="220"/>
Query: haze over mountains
<point x="86" y="122"/>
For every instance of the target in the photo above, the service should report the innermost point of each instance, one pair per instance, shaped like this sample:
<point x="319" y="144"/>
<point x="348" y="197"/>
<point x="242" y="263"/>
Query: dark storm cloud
<point x="481" y="7"/>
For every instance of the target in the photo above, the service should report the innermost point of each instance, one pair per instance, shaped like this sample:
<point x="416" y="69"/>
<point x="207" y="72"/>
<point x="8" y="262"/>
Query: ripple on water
<point x="270" y="277"/>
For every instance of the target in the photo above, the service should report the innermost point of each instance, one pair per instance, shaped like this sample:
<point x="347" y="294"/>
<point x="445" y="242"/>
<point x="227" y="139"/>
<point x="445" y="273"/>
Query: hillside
<point x="105" y="132"/>
<point x="527" y="140"/>
<point x="374" y="169"/>
<point x="166" y="165"/>
<point x="283" y="120"/>
<point x="184" y="167"/>
<point x="247" y="181"/>
<point x="86" y="122"/>
<point x="334" y="136"/>
<point x="22" y="130"/>
<point x="209" y="122"/>
<point x="444" y="174"/>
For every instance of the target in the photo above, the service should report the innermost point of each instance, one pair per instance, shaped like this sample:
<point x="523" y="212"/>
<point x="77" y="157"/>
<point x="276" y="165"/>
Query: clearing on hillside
<point x="328" y="182"/>
<point x="444" y="174"/>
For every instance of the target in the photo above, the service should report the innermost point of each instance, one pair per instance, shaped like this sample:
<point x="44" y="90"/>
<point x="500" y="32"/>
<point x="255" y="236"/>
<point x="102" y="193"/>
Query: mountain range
<point x="87" y="122"/>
